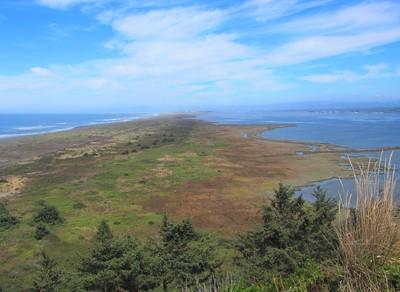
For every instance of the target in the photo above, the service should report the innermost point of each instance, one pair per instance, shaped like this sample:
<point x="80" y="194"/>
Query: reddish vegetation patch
<point x="249" y="168"/>
<point x="208" y="206"/>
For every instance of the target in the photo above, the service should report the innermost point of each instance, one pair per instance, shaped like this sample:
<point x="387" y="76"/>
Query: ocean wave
<point x="30" y="128"/>
<point x="114" y="120"/>
<point x="18" y="131"/>
<point x="4" y="136"/>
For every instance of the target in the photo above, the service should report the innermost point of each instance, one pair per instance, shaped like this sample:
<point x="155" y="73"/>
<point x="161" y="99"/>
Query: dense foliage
<point x="115" y="264"/>
<point x="293" y="249"/>
<point x="293" y="232"/>
<point x="184" y="256"/>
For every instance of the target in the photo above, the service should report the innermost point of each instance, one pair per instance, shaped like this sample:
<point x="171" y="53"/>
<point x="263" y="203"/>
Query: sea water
<point x="14" y="125"/>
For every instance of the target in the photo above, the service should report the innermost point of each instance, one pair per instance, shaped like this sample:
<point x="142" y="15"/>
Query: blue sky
<point x="123" y="55"/>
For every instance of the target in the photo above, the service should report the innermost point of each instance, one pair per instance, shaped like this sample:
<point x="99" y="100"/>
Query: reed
<point x="368" y="232"/>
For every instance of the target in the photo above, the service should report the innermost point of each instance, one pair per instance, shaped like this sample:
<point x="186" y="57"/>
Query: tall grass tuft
<point x="217" y="284"/>
<point x="368" y="232"/>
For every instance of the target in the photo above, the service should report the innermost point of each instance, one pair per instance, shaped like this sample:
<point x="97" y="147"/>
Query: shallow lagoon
<point x="367" y="129"/>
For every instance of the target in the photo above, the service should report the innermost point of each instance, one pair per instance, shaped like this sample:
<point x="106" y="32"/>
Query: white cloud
<point x="170" y="24"/>
<point x="374" y="71"/>
<point x="40" y="71"/>
<point x="265" y="10"/>
<point x="356" y="28"/>
<point x="364" y="16"/>
<point x="61" y="4"/>
<point x="322" y="46"/>
<point x="186" y="52"/>
<point x="332" y="77"/>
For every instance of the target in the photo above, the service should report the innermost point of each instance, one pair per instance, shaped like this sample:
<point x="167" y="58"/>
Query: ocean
<point x="14" y="125"/>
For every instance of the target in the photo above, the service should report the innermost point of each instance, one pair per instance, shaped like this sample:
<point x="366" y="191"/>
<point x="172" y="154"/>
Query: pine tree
<point x="115" y="264"/>
<point x="49" y="278"/>
<point x="184" y="255"/>
<point x="103" y="232"/>
<point x="292" y="232"/>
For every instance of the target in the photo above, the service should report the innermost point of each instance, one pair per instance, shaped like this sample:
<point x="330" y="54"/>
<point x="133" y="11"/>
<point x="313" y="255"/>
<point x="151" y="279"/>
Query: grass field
<point x="131" y="173"/>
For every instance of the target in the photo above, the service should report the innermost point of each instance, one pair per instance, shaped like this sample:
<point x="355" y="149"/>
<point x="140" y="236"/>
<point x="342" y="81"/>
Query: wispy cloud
<point x="173" y="24"/>
<point x="266" y="10"/>
<point x="362" y="16"/>
<point x="356" y="28"/>
<point x="374" y="71"/>
<point x="62" y="4"/>
<point x="179" y="49"/>
<point x="40" y="71"/>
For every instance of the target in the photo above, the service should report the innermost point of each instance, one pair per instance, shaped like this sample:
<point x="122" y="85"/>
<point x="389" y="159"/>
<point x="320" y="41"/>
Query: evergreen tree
<point x="184" y="255"/>
<point x="292" y="232"/>
<point x="321" y="242"/>
<point x="103" y="233"/>
<point x="49" y="278"/>
<point x="115" y="264"/>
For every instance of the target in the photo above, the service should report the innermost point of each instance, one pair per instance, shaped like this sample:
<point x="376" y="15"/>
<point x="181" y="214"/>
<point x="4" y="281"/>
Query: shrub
<point x="48" y="214"/>
<point x="41" y="231"/>
<point x="6" y="219"/>
<point x="78" y="205"/>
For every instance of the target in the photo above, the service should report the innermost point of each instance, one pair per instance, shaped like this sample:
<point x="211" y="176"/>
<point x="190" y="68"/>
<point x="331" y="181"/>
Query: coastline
<point x="93" y="136"/>
<point x="89" y="123"/>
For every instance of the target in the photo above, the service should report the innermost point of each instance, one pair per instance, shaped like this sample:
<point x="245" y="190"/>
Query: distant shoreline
<point x="51" y="129"/>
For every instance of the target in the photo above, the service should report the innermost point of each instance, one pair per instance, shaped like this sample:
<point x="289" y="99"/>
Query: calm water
<point x="12" y="125"/>
<point x="356" y="129"/>
<point x="367" y="129"/>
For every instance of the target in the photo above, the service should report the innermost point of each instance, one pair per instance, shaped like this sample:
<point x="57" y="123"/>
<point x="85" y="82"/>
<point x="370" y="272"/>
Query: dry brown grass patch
<point x="368" y="233"/>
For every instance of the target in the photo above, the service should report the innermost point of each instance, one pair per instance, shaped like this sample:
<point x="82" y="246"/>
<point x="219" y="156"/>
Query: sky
<point x="126" y="55"/>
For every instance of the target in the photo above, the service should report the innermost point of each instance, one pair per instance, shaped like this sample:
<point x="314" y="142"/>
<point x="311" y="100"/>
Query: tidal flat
<point x="132" y="173"/>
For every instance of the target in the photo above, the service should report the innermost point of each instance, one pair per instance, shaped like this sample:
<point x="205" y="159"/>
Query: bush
<point x="6" y="219"/>
<point x="41" y="231"/>
<point x="79" y="205"/>
<point x="48" y="214"/>
<point x="392" y="272"/>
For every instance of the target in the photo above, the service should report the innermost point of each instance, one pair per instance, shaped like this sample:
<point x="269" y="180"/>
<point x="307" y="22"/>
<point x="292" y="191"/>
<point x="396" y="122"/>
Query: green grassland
<point x="91" y="187"/>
